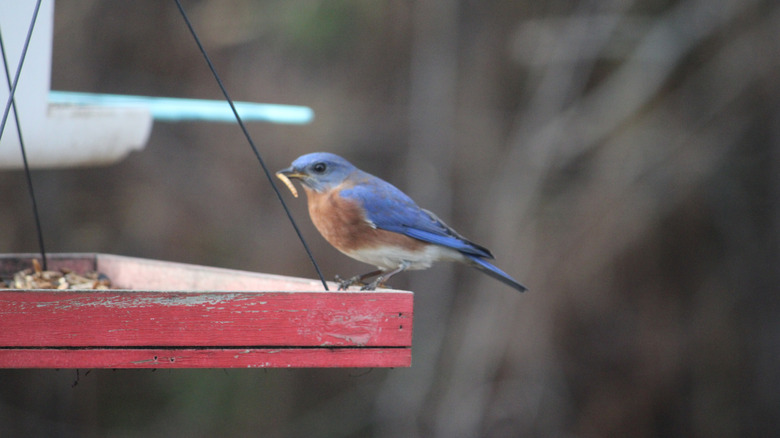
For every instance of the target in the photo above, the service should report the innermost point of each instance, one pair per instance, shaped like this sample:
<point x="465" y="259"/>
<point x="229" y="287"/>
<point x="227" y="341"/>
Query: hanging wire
<point x="251" y="142"/>
<point x="11" y="103"/>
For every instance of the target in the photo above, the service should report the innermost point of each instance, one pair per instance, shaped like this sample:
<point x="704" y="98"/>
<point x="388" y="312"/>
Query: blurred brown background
<point x="620" y="158"/>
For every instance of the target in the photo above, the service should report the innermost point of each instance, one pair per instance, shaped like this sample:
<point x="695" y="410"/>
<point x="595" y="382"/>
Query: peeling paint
<point x="202" y="319"/>
<point x="360" y="340"/>
<point x="127" y="300"/>
<point x="152" y="360"/>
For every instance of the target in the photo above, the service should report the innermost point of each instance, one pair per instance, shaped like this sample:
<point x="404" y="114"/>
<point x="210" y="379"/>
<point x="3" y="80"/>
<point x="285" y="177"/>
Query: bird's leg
<point x="380" y="281"/>
<point x="358" y="279"/>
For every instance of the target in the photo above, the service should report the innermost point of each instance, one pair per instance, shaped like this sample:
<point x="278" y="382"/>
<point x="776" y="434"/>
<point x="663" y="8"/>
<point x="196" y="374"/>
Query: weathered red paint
<point x="206" y="358"/>
<point x="202" y="319"/>
<point x="268" y="317"/>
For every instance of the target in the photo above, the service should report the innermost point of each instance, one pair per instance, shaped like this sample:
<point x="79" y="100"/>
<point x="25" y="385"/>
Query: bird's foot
<point x="358" y="279"/>
<point x="379" y="282"/>
<point x="344" y="284"/>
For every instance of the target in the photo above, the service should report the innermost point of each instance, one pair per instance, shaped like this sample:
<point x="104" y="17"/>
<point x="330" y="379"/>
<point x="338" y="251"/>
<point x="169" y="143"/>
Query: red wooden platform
<point x="174" y="315"/>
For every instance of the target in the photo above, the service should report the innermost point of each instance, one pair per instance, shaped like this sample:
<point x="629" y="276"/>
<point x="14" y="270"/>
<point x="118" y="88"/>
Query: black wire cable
<point x="12" y="104"/>
<point x="251" y="142"/>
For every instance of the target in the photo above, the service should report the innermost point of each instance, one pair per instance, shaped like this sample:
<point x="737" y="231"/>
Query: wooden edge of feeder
<point x="206" y="358"/>
<point x="176" y="315"/>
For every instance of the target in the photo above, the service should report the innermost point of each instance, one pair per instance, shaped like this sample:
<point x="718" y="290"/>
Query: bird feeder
<point x="173" y="315"/>
<point x="162" y="314"/>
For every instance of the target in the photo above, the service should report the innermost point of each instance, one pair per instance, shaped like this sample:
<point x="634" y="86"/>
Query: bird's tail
<point x="494" y="272"/>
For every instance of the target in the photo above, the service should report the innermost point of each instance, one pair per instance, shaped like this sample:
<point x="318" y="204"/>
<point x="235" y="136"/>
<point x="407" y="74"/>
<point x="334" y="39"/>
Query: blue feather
<point x="496" y="273"/>
<point x="390" y="209"/>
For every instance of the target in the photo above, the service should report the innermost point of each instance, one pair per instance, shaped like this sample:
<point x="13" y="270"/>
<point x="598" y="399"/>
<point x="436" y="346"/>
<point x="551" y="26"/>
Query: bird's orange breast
<point x="342" y="222"/>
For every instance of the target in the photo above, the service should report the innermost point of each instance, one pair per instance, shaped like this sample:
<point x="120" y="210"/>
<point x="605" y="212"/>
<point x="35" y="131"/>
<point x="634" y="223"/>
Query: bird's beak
<point x="291" y="172"/>
<point x="286" y="174"/>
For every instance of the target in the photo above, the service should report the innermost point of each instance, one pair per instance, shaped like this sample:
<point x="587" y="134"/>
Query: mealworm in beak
<point x="288" y="183"/>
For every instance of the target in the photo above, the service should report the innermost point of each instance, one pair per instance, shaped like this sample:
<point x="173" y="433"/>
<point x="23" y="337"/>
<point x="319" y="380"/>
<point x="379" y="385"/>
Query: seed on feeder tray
<point x="37" y="278"/>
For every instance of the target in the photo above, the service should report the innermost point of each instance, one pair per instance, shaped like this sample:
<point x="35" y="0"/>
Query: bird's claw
<point x="358" y="280"/>
<point x="373" y="285"/>
<point x="345" y="284"/>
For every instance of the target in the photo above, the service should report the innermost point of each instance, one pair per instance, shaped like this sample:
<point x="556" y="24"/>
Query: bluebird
<point x="374" y="222"/>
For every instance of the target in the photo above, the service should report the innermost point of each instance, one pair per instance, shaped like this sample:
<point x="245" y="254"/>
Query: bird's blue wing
<point x="390" y="209"/>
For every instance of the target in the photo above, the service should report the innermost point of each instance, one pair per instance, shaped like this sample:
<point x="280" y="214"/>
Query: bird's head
<point x="319" y="171"/>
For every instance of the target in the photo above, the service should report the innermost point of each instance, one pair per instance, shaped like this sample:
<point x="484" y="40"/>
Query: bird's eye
<point x="319" y="167"/>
